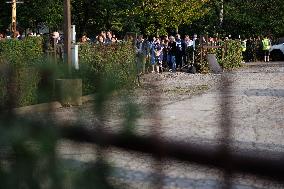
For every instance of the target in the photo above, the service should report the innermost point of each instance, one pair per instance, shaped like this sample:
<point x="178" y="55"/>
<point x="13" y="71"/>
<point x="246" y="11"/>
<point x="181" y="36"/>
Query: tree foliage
<point x="32" y="13"/>
<point x="241" y="17"/>
<point x="259" y="16"/>
<point x="158" y="16"/>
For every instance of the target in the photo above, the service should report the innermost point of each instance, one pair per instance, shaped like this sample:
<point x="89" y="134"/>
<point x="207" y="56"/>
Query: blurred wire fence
<point x="28" y="157"/>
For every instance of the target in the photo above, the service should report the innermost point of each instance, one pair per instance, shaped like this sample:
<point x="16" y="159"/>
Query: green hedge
<point x="21" y="52"/>
<point x="34" y="75"/>
<point x="22" y="86"/>
<point x="116" y="62"/>
<point x="18" y="57"/>
<point x="232" y="56"/>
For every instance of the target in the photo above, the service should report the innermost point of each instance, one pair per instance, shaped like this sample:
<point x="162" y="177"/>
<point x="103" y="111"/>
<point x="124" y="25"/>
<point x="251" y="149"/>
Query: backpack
<point x="191" y="69"/>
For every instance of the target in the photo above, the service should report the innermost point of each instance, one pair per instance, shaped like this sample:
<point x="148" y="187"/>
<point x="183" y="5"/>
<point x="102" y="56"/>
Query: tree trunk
<point x="221" y="15"/>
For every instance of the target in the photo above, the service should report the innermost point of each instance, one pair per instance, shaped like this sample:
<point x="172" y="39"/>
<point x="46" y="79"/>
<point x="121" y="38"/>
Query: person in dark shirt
<point x="180" y="51"/>
<point x="172" y="51"/>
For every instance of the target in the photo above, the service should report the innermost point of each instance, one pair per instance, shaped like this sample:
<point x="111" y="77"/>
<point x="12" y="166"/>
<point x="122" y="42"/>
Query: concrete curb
<point x="47" y="107"/>
<point x="88" y="98"/>
<point x="44" y="107"/>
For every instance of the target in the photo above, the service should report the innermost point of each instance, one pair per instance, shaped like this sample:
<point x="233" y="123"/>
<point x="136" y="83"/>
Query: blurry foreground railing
<point x="243" y="161"/>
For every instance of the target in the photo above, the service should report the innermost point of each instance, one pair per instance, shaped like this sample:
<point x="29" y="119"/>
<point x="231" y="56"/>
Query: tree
<point x="49" y="13"/>
<point x="5" y="14"/>
<point x="158" y="16"/>
<point x="255" y="17"/>
<point x="92" y="16"/>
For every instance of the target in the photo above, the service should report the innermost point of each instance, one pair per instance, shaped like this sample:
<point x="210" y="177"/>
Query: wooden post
<point x="67" y="33"/>
<point x="223" y="51"/>
<point x="55" y="50"/>
<point x="201" y="54"/>
<point x="14" y="16"/>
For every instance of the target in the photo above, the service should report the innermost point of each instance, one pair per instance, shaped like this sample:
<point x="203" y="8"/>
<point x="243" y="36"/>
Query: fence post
<point x="201" y="54"/>
<point x="223" y="52"/>
<point x="55" y="50"/>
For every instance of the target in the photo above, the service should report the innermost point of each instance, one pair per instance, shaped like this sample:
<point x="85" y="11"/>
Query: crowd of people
<point x="256" y="49"/>
<point x="104" y="38"/>
<point x="170" y="51"/>
<point x="175" y="52"/>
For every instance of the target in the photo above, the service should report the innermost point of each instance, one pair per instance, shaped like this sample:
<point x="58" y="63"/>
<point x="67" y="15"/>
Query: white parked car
<point x="277" y="51"/>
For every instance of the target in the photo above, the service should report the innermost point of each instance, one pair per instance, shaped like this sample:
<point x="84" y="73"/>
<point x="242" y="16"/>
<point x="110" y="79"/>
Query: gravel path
<point x="190" y="108"/>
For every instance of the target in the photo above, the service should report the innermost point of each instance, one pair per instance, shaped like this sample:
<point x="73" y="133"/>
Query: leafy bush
<point x="22" y="86"/>
<point x="116" y="62"/>
<point x="34" y="75"/>
<point x="21" y="52"/>
<point x="233" y="55"/>
<point x="229" y="58"/>
<point x="19" y="56"/>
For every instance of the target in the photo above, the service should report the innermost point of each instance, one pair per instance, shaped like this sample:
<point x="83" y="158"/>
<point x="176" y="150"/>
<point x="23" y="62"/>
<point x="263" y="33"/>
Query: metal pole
<point x="67" y="33"/>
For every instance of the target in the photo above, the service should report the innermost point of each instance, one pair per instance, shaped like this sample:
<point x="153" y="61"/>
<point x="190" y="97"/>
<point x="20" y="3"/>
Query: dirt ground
<point x="190" y="108"/>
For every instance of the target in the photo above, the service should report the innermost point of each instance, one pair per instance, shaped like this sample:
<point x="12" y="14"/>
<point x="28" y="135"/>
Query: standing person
<point x="259" y="49"/>
<point x="141" y="47"/>
<point x="158" y="49"/>
<point x="84" y="39"/>
<point x="172" y="51"/>
<point x="151" y="46"/>
<point x="108" y="37"/>
<point x="8" y="34"/>
<point x="17" y="35"/>
<point x="55" y="38"/>
<point x="100" y="40"/>
<point x="113" y="40"/>
<point x="165" y="44"/>
<point x="249" y="51"/>
<point x="188" y="44"/>
<point x="156" y="52"/>
<point x="195" y="44"/>
<point x="179" y="51"/>
<point x="244" y="49"/>
<point x="266" y="44"/>
<point x="1" y="36"/>
<point x="103" y="35"/>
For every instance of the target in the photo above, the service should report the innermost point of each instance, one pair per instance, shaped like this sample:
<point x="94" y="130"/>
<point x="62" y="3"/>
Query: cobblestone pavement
<point x="190" y="110"/>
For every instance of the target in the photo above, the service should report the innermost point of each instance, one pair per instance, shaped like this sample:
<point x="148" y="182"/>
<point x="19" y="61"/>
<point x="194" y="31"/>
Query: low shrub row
<point x="19" y="78"/>
<point x="31" y="75"/>
<point x="116" y="62"/>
